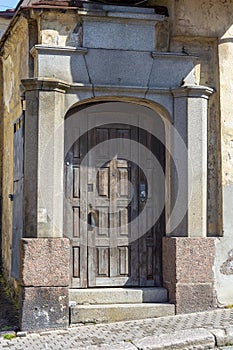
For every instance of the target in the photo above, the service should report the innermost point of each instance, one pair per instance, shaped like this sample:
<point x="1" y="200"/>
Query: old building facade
<point x="116" y="152"/>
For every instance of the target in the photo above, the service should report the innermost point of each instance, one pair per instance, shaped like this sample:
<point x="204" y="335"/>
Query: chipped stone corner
<point x="223" y="271"/>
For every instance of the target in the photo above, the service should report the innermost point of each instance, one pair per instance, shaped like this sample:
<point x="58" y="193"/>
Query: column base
<point x="44" y="283"/>
<point x="188" y="273"/>
<point x="44" y="308"/>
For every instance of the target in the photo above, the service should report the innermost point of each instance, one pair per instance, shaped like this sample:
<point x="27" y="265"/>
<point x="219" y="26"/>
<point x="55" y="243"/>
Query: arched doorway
<point x="114" y="195"/>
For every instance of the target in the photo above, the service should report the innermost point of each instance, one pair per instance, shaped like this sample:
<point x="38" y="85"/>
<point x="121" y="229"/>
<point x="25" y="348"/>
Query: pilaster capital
<point x="45" y="84"/>
<point x="197" y="91"/>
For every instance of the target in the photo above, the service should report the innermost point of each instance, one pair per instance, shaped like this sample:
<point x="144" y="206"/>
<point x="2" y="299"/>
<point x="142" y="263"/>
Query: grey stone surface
<point x="220" y="336"/>
<point x="119" y="346"/>
<point x="117" y="335"/>
<point x="119" y="312"/>
<point x="184" y="339"/>
<point x="31" y="163"/>
<point x="43" y="308"/>
<point x="120" y="68"/>
<point x="118" y="295"/>
<point x="108" y="34"/>
<point x="191" y="102"/>
<point x="229" y="335"/>
<point x="62" y="63"/>
<point x="170" y="70"/>
<point x="124" y="9"/>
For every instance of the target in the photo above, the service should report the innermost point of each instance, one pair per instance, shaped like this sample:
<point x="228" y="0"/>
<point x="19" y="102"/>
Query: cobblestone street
<point x="126" y="335"/>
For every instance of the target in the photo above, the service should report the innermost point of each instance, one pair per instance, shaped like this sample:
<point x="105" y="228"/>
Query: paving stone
<point x="119" y="346"/>
<point x="229" y="335"/>
<point x="113" y="334"/>
<point x="220" y="336"/>
<point x="185" y="339"/>
<point x="21" y="334"/>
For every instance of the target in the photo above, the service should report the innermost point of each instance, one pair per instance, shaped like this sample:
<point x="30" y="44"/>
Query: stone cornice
<point x="51" y="84"/>
<point x="59" y="49"/>
<point x="45" y="84"/>
<point x="172" y="55"/>
<point x="198" y="91"/>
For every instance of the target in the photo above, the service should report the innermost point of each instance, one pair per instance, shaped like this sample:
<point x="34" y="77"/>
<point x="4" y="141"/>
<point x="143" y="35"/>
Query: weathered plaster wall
<point x="224" y="263"/>
<point x="59" y="28"/>
<point x="194" y="29"/>
<point x="205" y="27"/>
<point x="14" y="68"/>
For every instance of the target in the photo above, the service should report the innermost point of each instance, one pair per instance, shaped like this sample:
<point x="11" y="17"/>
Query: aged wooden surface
<point x="100" y="205"/>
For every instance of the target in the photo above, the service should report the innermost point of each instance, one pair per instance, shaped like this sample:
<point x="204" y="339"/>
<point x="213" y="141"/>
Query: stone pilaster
<point x="190" y="121"/>
<point x="44" y="157"/>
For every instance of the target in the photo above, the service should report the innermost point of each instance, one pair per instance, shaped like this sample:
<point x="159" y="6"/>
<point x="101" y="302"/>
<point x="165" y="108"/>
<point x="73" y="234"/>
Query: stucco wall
<point x="59" y="28"/>
<point x="14" y="68"/>
<point x="205" y="27"/>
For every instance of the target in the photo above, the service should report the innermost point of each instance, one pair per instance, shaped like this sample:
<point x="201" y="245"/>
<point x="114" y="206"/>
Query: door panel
<point x="102" y="198"/>
<point x="109" y="251"/>
<point x="75" y="211"/>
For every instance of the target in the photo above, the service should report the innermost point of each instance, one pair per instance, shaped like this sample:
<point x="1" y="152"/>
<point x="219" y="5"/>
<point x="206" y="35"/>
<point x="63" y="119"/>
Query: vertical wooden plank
<point x="103" y="229"/>
<point x="76" y="262"/>
<point x="123" y="260"/>
<point x="124" y="134"/>
<point x="113" y="219"/>
<point x="123" y="221"/>
<point x="102" y="261"/>
<point x="150" y="269"/>
<point x="76" y="149"/>
<point x="103" y="185"/>
<point x="150" y="182"/>
<point x="149" y="213"/>
<point x="76" y="222"/>
<point x="123" y="182"/>
<point x="102" y="134"/>
<point x="76" y="182"/>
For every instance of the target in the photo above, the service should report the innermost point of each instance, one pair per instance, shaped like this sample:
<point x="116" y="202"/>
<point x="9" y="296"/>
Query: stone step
<point x="118" y="295"/>
<point x="119" y="312"/>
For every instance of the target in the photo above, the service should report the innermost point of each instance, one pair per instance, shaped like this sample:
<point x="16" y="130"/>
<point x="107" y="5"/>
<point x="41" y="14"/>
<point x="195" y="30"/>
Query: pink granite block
<point x="45" y="262"/>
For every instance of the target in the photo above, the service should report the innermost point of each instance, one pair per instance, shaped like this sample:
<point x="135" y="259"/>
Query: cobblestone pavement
<point x="86" y="336"/>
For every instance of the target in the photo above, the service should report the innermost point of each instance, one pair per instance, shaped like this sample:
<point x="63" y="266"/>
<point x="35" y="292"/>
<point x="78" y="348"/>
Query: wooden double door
<point x="107" y="189"/>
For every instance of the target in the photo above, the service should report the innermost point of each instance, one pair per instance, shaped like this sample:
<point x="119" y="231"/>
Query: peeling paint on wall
<point x="227" y="266"/>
